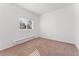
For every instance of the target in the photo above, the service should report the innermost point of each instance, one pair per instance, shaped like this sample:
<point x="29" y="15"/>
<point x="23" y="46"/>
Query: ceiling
<point x="41" y="8"/>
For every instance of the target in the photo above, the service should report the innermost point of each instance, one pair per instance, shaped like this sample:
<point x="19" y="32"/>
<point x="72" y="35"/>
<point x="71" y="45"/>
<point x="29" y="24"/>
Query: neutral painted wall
<point x="59" y="25"/>
<point x="77" y="24"/>
<point x="9" y="30"/>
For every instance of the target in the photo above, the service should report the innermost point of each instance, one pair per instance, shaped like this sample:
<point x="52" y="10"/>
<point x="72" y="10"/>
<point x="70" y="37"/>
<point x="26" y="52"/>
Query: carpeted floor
<point x="44" y="46"/>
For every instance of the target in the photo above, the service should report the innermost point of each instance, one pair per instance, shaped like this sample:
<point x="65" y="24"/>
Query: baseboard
<point x="33" y="37"/>
<point x="77" y="46"/>
<point x="52" y="38"/>
<point x="19" y="42"/>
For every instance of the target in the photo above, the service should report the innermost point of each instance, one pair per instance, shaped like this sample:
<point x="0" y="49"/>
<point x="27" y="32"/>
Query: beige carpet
<point x="44" y="46"/>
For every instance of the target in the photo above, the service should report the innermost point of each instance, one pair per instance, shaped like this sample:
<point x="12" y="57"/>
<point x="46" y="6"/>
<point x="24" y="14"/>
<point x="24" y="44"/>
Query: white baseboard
<point x="52" y="38"/>
<point x="18" y="42"/>
<point x="32" y="37"/>
<point x="77" y="46"/>
<point x="57" y="39"/>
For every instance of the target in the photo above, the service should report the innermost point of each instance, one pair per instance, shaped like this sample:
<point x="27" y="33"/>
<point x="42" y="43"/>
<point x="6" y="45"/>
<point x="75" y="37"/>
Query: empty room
<point x="39" y="29"/>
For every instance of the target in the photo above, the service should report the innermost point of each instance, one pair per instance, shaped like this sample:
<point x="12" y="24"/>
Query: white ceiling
<point x="41" y="8"/>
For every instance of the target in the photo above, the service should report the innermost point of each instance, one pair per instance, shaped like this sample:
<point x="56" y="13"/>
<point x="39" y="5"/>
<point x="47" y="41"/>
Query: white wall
<point x="9" y="30"/>
<point x="59" y="25"/>
<point x="77" y="24"/>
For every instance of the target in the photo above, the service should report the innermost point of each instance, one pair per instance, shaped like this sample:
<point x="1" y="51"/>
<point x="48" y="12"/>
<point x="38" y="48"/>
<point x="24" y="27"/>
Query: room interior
<point x="46" y="29"/>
